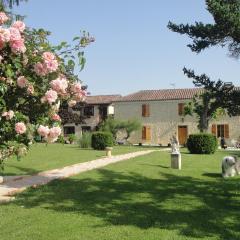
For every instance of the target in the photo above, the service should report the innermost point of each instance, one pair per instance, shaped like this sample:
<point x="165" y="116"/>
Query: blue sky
<point x="134" y="50"/>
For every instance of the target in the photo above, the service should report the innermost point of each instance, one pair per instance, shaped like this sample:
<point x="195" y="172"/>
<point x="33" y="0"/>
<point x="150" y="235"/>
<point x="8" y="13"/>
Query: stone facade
<point x="164" y="121"/>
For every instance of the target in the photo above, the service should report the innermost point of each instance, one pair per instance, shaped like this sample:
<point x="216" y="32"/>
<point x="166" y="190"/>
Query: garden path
<point x="14" y="185"/>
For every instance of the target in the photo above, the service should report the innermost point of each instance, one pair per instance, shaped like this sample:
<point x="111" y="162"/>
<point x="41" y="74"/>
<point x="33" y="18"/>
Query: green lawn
<point x="141" y="198"/>
<point x="42" y="157"/>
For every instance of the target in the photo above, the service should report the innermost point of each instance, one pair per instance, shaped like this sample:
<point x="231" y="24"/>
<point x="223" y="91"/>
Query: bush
<point x="61" y="139"/>
<point x="72" y="138"/>
<point x="85" y="140"/>
<point x="101" y="140"/>
<point x="202" y="143"/>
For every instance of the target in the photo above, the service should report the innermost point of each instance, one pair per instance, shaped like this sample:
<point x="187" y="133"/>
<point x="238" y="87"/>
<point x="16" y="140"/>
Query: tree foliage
<point x="225" y="31"/>
<point x="211" y="102"/>
<point x="112" y="125"/>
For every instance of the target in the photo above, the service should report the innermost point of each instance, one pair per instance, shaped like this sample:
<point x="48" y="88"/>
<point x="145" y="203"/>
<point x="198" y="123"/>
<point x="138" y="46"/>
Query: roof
<point x="102" y="99"/>
<point x="163" y="95"/>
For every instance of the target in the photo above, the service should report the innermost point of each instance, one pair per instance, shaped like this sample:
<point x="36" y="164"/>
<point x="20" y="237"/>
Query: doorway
<point x="182" y="134"/>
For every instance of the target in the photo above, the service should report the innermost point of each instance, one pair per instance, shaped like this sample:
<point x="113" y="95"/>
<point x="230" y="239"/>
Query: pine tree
<point x="224" y="32"/>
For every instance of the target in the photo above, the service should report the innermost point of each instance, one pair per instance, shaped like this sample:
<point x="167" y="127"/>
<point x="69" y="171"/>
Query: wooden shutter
<point x="226" y="130"/>
<point x="145" y="110"/>
<point x="144" y="133"/>
<point x="148" y="133"/>
<point x="181" y="109"/>
<point x="214" y="129"/>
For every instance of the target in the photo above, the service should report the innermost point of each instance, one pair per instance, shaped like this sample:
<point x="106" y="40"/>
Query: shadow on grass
<point x="23" y="171"/>
<point x="213" y="175"/>
<point x="193" y="207"/>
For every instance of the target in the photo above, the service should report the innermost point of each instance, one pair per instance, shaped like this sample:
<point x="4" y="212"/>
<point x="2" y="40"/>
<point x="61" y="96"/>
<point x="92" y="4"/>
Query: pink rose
<point x="18" y="46"/>
<point x="15" y="34"/>
<point x="54" y="133"/>
<point x="80" y="96"/>
<point x="19" y="25"/>
<point x="72" y="103"/>
<point x="43" y="131"/>
<point x="76" y="87"/>
<point x="30" y="89"/>
<point x="55" y="117"/>
<point x="22" y="82"/>
<point x="59" y="85"/>
<point x="48" y="56"/>
<point x="40" y="69"/>
<point x="3" y="18"/>
<point x="20" y="128"/>
<point x="51" y="66"/>
<point x="5" y="35"/>
<point x="50" y="96"/>
<point x="9" y="115"/>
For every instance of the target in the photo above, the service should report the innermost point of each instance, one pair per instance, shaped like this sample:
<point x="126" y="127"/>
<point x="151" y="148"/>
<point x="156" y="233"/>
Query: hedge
<point x="202" y="143"/>
<point x="101" y="140"/>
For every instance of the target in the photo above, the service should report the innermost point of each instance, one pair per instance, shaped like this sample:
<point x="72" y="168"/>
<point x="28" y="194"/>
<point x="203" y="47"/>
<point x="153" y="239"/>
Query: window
<point x="181" y="109"/>
<point x="145" y="110"/>
<point x="146" y="133"/>
<point x="86" y="129"/>
<point x="220" y="130"/>
<point x="88" y="111"/>
<point x="69" y="130"/>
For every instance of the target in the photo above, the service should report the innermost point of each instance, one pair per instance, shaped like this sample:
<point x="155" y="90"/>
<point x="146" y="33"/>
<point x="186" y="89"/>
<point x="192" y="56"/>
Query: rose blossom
<point x="30" y="89"/>
<point x="40" y="69"/>
<point x="72" y="103"/>
<point x="9" y="115"/>
<point x="22" y="82"/>
<point x="48" y="56"/>
<point x="55" y="117"/>
<point x="76" y="87"/>
<point x="43" y="131"/>
<point x="80" y="96"/>
<point x="19" y="25"/>
<point x="59" y="85"/>
<point x="50" y="96"/>
<point x="3" y="17"/>
<point x="18" y="46"/>
<point x="15" y="34"/>
<point x="51" y="66"/>
<point x="20" y="127"/>
<point x="5" y="35"/>
<point x="54" y="133"/>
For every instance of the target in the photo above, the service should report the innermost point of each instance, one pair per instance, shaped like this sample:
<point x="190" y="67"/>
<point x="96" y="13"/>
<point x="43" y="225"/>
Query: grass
<point x="42" y="157"/>
<point x="141" y="198"/>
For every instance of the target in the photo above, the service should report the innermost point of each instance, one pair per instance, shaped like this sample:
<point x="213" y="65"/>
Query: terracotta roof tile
<point x="163" y="94"/>
<point x="102" y="99"/>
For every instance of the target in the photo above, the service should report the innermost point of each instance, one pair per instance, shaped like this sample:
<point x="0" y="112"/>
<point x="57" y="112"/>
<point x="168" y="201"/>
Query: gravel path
<point x="13" y="185"/>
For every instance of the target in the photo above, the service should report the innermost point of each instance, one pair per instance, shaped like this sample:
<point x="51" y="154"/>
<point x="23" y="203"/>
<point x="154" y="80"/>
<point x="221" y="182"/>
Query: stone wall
<point x="164" y="120"/>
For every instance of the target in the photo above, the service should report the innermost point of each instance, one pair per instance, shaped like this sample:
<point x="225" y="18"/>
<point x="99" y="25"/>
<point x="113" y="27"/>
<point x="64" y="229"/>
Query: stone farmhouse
<point x="87" y="115"/>
<point x="161" y="115"/>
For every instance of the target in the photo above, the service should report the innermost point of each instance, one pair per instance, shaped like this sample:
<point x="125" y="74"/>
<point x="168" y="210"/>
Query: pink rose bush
<point x="35" y="80"/>
<point x="20" y="128"/>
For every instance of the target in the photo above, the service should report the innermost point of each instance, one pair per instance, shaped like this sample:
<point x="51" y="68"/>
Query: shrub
<point x="72" y="138"/>
<point x="202" y="143"/>
<point x="101" y="140"/>
<point x="61" y="139"/>
<point x="85" y="140"/>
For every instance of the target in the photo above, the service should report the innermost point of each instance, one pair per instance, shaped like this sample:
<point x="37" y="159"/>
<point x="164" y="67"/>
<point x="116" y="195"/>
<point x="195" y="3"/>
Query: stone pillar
<point x="176" y="162"/>
<point x="1" y="179"/>
<point x="109" y="151"/>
